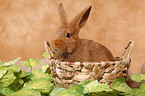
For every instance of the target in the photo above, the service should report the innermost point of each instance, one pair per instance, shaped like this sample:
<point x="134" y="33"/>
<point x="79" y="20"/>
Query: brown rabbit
<point x="68" y="47"/>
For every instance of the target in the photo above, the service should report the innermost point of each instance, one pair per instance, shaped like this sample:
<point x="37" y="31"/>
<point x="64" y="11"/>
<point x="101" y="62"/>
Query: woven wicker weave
<point x="66" y="74"/>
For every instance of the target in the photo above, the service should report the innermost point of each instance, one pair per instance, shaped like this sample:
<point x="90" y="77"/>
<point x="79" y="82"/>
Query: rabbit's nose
<point x="59" y="43"/>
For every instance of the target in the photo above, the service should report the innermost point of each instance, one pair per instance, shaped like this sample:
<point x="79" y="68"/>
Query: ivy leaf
<point x="139" y="91"/>
<point x="66" y="92"/>
<point x="84" y="83"/>
<point x="26" y="63"/>
<point x="7" y="91"/>
<point x="24" y="74"/>
<point x="30" y="63"/>
<point x="77" y="88"/>
<point x="41" y="84"/>
<point x="55" y="91"/>
<point x="45" y="55"/>
<point x="9" y="62"/>
<point x="125" y="94"/>
<point x="120" y="85"/>
<point x="17" y="84"/>
<point x="138" y="77"/>
<point x="7" y="79"/>
<point x="27" y="93"/>
<point x="95" y="86"/>
<point x="44" y="67"/>
<point x="14" y="68"/>
<point x="3" y="70"/>
<point x="103" y="93"/>
<point x="38" y="73"/>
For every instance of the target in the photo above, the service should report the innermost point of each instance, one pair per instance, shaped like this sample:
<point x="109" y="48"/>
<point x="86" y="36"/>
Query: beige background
<point x="25" y="24"/>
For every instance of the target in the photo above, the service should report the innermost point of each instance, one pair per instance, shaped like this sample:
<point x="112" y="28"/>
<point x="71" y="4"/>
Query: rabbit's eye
<point x="68" y="35"/>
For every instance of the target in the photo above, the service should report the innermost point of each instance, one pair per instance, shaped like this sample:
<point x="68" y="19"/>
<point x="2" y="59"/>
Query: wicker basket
<point x="66" y="74"/>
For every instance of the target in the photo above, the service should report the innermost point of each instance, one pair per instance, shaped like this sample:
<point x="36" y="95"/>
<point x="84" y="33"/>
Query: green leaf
<point x="55" y="91"/>
<point x="78" y="88"/>
<point x="38" y="73"/>
<point x="1" y="91"/>
<point x="139" y="91"/>
<point x="103" y="93"/>
<point x="26" y="63"/>
<point x="24" y="74"/>
<point x="7" y="79"/>
<point x="45" y="55"/>
<point x="120" y="85"/>
<point x="95" y="86"/>
<point x="138" y="77"/>
<point x="30" y="63"/>
<point x="14" y="68"/>
<point x="41" y="84"/>
<point x="17" y="84"/>
<point x="44" y="67"/>
<point x="9" y="62"/>
<point x="3" y="70"/>
<point x="27" y="93"/>
<point x="84" y="83"/>
<point x="66" y="92"/>
<point x="126" y="94"/>
<point x="7" y="91"/>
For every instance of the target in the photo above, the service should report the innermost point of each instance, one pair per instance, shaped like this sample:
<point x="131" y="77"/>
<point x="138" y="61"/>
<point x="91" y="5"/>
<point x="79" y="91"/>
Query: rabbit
<point x="67" y="46"/>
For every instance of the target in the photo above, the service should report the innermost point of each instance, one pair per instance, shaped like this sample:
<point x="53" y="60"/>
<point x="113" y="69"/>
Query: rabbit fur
<point x="67" y="46"/>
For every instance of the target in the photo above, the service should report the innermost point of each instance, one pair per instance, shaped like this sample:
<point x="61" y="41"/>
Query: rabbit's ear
<point x="79" y="20"/>
<point x="62" y="14"/>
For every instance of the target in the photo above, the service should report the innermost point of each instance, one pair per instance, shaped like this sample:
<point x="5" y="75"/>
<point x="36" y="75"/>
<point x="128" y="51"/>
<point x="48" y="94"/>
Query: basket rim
<point x="117" y="61"/>
<point x="123" y="58"/>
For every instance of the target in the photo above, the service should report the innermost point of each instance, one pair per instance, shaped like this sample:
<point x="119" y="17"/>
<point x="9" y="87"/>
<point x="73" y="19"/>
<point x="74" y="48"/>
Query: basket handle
<point x="48" y="49"/>
<point x="131" y="44"/>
